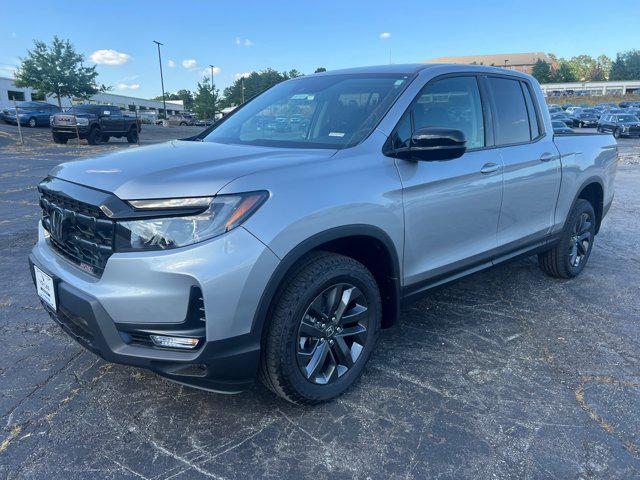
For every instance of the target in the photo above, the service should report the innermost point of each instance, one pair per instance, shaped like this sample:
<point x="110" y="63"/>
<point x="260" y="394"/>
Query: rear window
<point x="512" y="118"/>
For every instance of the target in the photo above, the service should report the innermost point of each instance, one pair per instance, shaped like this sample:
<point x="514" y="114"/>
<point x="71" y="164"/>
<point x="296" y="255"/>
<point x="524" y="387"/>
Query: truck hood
<point x="179" y="168"/>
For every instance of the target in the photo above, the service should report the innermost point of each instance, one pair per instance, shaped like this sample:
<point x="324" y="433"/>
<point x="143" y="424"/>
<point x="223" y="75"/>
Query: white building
<point x="620" y="87"/>
<point x="148" y="109"/>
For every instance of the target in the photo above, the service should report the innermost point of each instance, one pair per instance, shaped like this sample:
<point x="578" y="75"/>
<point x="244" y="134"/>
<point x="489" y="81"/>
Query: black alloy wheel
<point x="332" y="333"/>
<point x="580" y="240"/>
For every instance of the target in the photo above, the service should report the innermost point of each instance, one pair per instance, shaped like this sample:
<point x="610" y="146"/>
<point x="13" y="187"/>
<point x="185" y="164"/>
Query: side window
<point x="512" y="119"/>
<point x="452" y="103"/>
<point x="531" y="110"/>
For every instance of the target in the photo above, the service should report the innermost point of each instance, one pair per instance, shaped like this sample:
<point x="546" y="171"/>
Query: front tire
<point x="323" y="329"/>
<point x="132" y="135"/>
<point x="569" y="256"/>
<point x="616" y="133"/>
<point x="32" y="123"/>
<point x="94" y="136"/>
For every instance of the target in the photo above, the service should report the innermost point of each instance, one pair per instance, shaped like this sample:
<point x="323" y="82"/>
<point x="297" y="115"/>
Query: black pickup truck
<point x="96" y="123"/>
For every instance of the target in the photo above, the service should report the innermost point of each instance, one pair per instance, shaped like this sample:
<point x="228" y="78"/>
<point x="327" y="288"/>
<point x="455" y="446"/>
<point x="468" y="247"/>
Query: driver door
<point x="451" y="207"/>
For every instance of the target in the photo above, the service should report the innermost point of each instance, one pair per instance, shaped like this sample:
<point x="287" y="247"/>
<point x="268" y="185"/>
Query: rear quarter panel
<point x="585" y="158"/>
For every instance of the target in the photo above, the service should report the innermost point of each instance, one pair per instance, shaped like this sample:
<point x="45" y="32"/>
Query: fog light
<point x="174" y="342"/>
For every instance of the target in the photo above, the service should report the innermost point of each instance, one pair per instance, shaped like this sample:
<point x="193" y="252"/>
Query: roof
<point x="495" y="59"/>
<point x="406" y="68"/>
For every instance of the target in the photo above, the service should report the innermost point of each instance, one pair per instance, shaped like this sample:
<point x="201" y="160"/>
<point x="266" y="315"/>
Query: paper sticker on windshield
<point x="302" y="96"/>
<point x="336" y="134"/>
<point x="397" y="83"/>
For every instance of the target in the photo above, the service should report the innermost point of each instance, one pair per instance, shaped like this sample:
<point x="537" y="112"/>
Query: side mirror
<point x="434" y="143"/>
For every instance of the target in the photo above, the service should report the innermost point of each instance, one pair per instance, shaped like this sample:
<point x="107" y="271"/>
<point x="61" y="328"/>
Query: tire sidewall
<point x="94" y="137"/>
<point x="34" y="121"/>
<point x="342" y="274"/>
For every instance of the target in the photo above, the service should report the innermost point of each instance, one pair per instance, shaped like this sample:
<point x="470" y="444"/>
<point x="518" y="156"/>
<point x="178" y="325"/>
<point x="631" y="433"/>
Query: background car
<point x="607" y="105"/>
<point x="181" y="119"/>
<point x="562" y="117"/>
<point x="560" y="127"/>
<point x="628" y="104"/>
<point x="555" y="109"/>
<point x="585" y="117"/>
<point x="620" y="125"/>
<point x="31" y="114"/>
<point x="566" y="106"/>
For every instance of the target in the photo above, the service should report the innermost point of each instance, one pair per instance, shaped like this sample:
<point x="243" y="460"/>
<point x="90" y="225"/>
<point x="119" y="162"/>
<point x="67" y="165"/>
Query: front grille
<point x="80" y="232"/>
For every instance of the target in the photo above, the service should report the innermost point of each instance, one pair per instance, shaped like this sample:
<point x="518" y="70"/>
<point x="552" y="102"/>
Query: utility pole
<point x="213" y="98"/>
<point x="164" y="103"/>
<point x="242" y="85"/>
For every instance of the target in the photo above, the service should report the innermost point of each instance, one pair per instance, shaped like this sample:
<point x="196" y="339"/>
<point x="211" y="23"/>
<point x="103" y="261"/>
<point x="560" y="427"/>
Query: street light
<point x="242" y="85"/>
<point x="164" y="103"/>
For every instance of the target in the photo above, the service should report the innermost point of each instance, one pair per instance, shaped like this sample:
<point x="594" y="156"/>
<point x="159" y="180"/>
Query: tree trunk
<point x="59" y="102"/>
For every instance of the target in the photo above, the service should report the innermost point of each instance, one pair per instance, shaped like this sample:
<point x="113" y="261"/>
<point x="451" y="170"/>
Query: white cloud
<point x="189" y="63"/>
<point x="110" y="57"/>
<point x="7" y="70"/>
<point x="128" y="86"/>
<point x="242" y="75"/>
<point x="385" y="35"/>
<point x="171" y="63"/>
<point x="206" y="72"/>
<point x="243" y="41"/>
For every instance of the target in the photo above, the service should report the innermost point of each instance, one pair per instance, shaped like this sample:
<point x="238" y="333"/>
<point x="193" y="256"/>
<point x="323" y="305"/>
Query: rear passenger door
<point x="451" y="207"/>
<point x="531" y="164"/>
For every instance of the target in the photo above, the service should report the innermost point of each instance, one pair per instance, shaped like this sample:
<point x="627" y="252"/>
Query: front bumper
<point x="139" y="291"/>
<point x="70" y="131"/>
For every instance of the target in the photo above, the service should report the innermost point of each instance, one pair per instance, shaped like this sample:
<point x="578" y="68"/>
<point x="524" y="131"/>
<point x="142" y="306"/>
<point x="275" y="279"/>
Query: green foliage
<point x="563" y="73"/>
<point x="320" y="69"/>
<point x="541" y="71"/>
<point x="206" y="100"/>
<point x="58" y="70"/>
<point x="255" y="83"/>
<point x="185" y="95"/>
<point x="626" y="66"/>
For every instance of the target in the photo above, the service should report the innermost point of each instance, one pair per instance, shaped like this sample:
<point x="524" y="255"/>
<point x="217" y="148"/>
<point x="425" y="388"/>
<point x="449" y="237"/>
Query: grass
<point x="592" y="99"/>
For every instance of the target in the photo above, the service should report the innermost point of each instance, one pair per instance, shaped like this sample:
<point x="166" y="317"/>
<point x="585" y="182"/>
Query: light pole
<point x="242" y="85"/>
<point x="213" y="98"/>
<point x="164" y="103"/>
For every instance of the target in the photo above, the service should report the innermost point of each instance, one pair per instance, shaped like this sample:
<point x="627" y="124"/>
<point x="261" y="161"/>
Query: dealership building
<point x="146" y="109"/>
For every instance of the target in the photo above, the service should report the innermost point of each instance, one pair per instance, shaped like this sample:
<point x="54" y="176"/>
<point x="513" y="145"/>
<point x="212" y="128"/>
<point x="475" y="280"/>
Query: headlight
<point x="82" y="121"/>
<point x="51" y="119"/>
<point x="625" y="127"/>
<point x="224" y="213"/>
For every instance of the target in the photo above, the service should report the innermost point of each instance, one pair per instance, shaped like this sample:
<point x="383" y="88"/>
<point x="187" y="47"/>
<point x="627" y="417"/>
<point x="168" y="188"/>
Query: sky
<point x="244" y="35"/>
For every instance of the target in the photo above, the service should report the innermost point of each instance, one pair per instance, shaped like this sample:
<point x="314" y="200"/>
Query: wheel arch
<point x="366" y="243"/>
<point x="592" y="190"/>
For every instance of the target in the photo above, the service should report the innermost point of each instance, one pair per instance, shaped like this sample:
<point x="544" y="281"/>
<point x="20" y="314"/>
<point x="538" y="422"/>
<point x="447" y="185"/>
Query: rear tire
<point x="309" y="327"/>
<point x="32" y="123"/>
<point x="94" y="136"/>
<point x="59" y="138"/>
<point x="105" y="138"/>
<point x="132" y="135"/>
<point x="571" y="254"/>
<point x="616" y="133"/>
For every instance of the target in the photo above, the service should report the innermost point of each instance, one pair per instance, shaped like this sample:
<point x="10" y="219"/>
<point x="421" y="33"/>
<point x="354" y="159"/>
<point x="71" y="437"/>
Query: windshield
<point x="333" y="111"/>
<point x="628" y="118"/>
<point x="84" y="109"/>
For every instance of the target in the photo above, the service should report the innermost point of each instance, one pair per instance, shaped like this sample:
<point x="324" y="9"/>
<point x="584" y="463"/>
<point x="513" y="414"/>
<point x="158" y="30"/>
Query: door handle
<point x="489" y="168"/>
<point x="547" y="156"/>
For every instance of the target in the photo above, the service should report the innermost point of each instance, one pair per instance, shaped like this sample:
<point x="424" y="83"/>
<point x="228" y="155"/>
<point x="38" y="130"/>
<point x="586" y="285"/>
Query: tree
<point x="541" y="71"/>
<point x="254" y="83"/>
<point x="618" y="69"/>
<point x="58" y="70"/>
<point x="563" y="73"/>
<point x="185" y="95"/>
<point x="320" y="69"/>
<point x="206" y="101"/>
<point x="582" y="66"/>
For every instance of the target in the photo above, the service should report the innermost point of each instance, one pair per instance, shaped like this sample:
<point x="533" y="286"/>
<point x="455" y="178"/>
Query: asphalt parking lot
<point x="505" y="374"/>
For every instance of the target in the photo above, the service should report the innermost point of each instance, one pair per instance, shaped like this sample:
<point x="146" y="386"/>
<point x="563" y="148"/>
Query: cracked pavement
<point x="505" y="374"/>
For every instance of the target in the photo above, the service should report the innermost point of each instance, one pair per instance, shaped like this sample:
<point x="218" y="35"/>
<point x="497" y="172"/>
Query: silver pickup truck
<point x="280" y="241"/>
